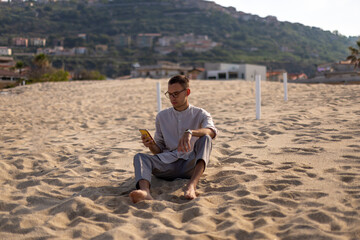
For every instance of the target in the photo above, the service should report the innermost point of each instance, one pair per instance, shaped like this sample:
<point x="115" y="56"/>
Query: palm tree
<point x="41" y="66"/>
<point x="41" y="61"/>
<point x="355" y="55"/>
<point x="19" y="65"/>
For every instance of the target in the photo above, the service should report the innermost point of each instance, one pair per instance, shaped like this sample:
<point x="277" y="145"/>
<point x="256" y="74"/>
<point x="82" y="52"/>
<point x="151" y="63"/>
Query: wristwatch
<point x="188" y="131"/>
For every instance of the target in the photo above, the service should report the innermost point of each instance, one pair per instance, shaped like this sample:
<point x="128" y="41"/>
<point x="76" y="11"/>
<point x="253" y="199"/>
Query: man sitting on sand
<point x="181" y="145"/>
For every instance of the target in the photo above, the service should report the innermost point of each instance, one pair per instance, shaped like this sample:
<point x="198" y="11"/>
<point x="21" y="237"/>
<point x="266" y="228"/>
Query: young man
<point x="181" y="145"/>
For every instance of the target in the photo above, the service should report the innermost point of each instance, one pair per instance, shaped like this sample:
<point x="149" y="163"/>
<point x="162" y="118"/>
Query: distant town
<point x="163" y="44"/>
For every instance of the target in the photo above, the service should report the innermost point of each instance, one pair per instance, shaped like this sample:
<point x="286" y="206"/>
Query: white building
<point x="39" y="42"/>
<point x="5" y="51"/>
<point x="226" y="71"/>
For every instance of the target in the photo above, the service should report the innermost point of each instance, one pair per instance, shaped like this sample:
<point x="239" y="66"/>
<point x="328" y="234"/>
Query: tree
<point x="41" y="61"/>
<point x="355" y="55"/>
<point x="55" y="76"/>
<point x="41" y="65"/>
<point x="19" y="65"/>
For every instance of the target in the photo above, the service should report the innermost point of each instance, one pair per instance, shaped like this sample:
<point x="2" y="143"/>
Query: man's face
<point x="178" y="95"/>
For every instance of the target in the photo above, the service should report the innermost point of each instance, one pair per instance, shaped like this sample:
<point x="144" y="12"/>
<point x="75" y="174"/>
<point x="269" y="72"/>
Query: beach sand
<point x="66" y="170"/>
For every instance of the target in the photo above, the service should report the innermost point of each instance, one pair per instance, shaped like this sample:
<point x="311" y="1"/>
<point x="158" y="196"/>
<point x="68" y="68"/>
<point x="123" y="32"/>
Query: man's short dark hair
<point x="181" y="79"/>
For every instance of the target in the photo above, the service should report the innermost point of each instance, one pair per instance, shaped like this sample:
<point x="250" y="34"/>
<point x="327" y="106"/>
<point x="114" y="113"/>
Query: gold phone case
<point x="145" y="132"/>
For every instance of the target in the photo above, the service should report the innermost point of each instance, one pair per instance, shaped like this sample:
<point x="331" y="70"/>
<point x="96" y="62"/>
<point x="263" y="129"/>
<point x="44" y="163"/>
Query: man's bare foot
<point x="140" y="195"/>
<point x="190" y="192"/>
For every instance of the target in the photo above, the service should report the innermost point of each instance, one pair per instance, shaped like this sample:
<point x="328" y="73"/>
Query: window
<point x="233" y="75"/>
<point x="222" y="75"/>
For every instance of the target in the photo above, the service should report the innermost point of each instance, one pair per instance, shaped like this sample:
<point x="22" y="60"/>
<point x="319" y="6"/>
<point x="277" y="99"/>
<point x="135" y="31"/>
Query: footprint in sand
<point x="303" y="151"/>
<point x="279" y="185"/>
<point x="234" y="160"/>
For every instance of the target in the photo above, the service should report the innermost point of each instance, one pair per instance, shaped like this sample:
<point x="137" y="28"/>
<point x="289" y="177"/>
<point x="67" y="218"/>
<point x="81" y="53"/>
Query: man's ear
<point x="188" y="92"/>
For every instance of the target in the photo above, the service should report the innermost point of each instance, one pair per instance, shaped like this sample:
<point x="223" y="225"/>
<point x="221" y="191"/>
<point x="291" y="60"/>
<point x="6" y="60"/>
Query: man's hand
<point x="184" y="143"/>
<point x="147" y="141"/>
<point x="150" y="143"/>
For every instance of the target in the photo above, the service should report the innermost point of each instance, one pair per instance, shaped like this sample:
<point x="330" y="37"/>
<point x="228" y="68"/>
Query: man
<point x="181" y="145"/>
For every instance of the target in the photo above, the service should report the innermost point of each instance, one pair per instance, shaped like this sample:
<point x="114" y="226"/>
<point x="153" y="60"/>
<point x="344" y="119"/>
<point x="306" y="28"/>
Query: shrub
<point x="57" y="76"/>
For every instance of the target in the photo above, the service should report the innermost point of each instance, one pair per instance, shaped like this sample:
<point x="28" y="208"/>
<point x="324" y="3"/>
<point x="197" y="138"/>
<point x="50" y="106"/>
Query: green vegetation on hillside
<point x="295" y="47"/>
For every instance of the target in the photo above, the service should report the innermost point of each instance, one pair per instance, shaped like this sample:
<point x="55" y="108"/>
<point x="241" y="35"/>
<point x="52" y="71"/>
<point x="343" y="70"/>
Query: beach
<point x="66" y="171"/>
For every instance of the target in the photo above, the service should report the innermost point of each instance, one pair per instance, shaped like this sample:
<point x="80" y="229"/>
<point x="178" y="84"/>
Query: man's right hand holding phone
<point x="147" y="141"/>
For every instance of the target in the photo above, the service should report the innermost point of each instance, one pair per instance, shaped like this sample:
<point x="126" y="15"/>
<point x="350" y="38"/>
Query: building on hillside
<point x="5" y="51"/>
<point x="227" y="71"/>
<point x="58" y="41"/>
<point x="7" y="63"/>
<point x="20" y="42"/>
<point x="146" y="40"/>
<point x="122" y="40"/>
<point x="79" y="50"/>
<point x="7" y="75"/>
<point x="82" y="36"/>
<point x="186" y="42"/>
<point x="61" y="51"/>
<point x="276" y="75"/>
<point x="101" y="48"/>
<point x="161" y="70"/>
<point x="38" y="42"/>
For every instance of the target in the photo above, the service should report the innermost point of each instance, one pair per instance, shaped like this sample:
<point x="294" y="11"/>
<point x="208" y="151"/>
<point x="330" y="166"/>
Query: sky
<point x="329" y="15"/>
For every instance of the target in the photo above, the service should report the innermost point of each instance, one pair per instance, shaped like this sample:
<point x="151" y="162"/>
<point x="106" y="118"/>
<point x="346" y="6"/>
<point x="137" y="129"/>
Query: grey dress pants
<point x="146" y="164"/>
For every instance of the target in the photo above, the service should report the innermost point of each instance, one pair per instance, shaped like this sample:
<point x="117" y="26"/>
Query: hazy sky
<point x="340" y="15"/>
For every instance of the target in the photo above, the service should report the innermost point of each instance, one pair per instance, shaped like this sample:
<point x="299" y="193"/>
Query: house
<point x="101" y="48"/>
<point x="186" y="42"/>
<point x="276" y="75"/>
<point x="82" y="36"/>
<point x="146" y="40"/>
<point x="336" y="70"/>
<point x="295" y="76"/>
<point x="196" y="73"/>
<point x="7" y="75"/>
<point x="122" y="40"/>
<point x="80" y="50"/>
<point x="226" y="71"/>
<point x="162" y="69"/>
<point x="61" y="51"/>
<point x="7" y="63"/>
<point x="20" y="42"/>
<point x="341" y="66"/>
<point x="38" y="42"/>
<point x="5" y="51"/>
<point x="342" y="72"/>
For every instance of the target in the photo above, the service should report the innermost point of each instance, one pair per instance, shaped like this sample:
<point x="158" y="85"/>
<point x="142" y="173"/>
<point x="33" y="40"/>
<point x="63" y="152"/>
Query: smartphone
<point x="146" y="132"/>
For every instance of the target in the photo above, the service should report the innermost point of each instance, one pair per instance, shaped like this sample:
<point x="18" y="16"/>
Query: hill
<point x="240" y="37"/>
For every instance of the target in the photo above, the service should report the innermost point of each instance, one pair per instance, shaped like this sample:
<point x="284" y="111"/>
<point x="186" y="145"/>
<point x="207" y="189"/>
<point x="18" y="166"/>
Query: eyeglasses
<point x="175" y="94"/>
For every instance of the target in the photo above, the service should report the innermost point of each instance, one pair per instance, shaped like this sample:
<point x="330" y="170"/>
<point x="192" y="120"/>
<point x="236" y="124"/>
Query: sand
<point x="66" y="169"/>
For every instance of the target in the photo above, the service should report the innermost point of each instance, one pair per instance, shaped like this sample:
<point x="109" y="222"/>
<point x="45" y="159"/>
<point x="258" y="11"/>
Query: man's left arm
<point x="207" y="128"/>
<point x="184" y="143"/>
<point x="202" y="132"/>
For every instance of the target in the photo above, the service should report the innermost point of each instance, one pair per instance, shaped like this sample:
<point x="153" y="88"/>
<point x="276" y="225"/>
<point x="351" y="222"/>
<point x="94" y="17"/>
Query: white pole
<point x="158" y="88"/>
<point x="258" y="96"/>
<point x="285" y="87"/>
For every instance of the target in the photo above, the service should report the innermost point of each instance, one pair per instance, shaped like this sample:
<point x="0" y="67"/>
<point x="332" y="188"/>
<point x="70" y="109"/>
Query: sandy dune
<point x="66" y="170"/>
